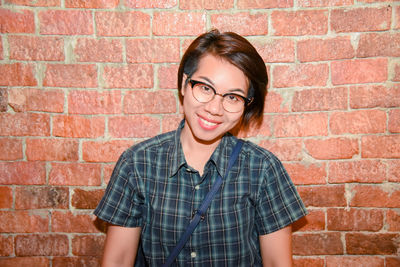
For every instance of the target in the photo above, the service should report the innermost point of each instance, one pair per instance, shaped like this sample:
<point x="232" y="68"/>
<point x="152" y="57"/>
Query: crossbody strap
<point x="203" y="207"/>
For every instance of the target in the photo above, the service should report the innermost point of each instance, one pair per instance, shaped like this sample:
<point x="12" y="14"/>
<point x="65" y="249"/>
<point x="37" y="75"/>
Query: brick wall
<point x="80" y="81"/>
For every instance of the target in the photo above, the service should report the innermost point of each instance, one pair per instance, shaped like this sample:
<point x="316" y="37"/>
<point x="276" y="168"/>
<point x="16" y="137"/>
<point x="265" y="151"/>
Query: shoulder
<point x="258" y="153"/>
<point x="155" y="144"/>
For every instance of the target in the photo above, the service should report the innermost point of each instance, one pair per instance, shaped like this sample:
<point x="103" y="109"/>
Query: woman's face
<point x="208" y="122"/>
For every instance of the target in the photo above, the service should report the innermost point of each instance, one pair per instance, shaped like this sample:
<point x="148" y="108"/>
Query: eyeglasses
<point x="231" y="102"/>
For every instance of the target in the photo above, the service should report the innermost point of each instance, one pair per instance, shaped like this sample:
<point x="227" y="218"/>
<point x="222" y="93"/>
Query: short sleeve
<point x="278" y="203"/>
<point x="122" y="203"/>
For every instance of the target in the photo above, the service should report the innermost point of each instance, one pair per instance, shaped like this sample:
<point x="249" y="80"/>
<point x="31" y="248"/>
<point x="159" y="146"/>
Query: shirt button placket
<point x="193" y="255"/>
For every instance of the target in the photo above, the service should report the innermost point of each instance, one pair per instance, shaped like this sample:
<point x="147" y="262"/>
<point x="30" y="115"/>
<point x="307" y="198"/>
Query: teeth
<point x="207" y="122"/>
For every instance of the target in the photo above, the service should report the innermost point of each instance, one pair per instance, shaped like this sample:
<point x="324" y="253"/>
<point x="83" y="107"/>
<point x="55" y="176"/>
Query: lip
<point x="208" y="124"/>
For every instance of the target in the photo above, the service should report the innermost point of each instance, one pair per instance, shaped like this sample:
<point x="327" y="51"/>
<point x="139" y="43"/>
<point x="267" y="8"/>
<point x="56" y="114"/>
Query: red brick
<point x="346" y="261"/>
<point x="84" y="174"/>
<point x="297" y="75"/>
<point x="71" y="75"/>
<point x="380" y="146"/>
<point x="307" y="173"/>
<point x="308" y="262"/>
<point x="31" y="99"/>
<point x="360" y="171"/>
<point x="87" y="245"/>
<point x="104" y="151"/>
<point x="394" y="171"/>
<point x="394" y="121"/>
<point x="42" y="197"/>
<point x="91" y="4"/>
<point x="275" y="50"/>
<point x="317" y="244"/>
<point x="357" y="122"/>
<point x="6" y="248"/>
<point x="36" y="48"/>
<point x="41" y="245"/>
<point x="397" y="18"/>
<point x="375" y="45"/>
<point x="25" y="261"/>
<point x="371" y="244"/>
<point x="78" y="126"/>
<point x="86" y="199"/>
<point x="372" y="96"/>
<point x="10" y="149"/>
<point x="320" y="99"/>
<point x="138" y="126"/>
<point x="16" y="21"/>
<point x="393" y="220"/>
<point x="379" y="196"/>
<point x="152" y="50"/>
<point x="325" y="49"/>
<point x="139" y="102"/>
<point x="332" y="148"/>
<point x="150" y="3"/>
<point x="324" y="3"/>
<point x="22" y="173"/>
<point x="107" y="171"/>
<point x="242" y="23"/>
<point x="359" y="71"/>
<point x="69" y="222"/>
<point x="169" y="23"/>
<point x="323" y="196"/>
<point x="395" y="71"/>
<point x="24" y="124"/>
<point x="392" y="261"/>
<point x="129" y="76"/>
<point x="76" y="261"/>
<point x="254" y="130"/>
<point x="355" y="219"/>
<point x="284" y="149"/>
<point x="6" y="198"/>
<point x="250" y="4"/>
<point x="47" y="3"/>
<point x="3" y="99"/>
<point x="94" y="102"/>
<point x="206" y="4"/>
<point x="275" y="103"/>
<point x="17" y="74"/>
<point x="301" y="125"/>
<point x="87" y="50"/>
<point x="24" y="221"/>
<point x="52" y="149"/>
<point x="304" y="22"/>
<point x="132" y="23"/>
<point x="361" y="19"/>
<point x="170" y="122"/>
<point x="314" y="221"/>
<point x="66" y="22"/>
<point x="167" y="76"/>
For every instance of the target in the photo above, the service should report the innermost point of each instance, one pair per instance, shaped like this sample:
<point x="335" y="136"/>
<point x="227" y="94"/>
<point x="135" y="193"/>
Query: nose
<point x="214" y="106"/>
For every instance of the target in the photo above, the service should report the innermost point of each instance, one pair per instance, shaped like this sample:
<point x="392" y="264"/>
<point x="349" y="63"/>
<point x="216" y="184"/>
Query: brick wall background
<point x="80" y="81"/>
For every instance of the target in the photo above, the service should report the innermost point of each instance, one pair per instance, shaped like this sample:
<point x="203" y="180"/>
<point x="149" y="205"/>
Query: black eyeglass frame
<point x="192" y="82"/>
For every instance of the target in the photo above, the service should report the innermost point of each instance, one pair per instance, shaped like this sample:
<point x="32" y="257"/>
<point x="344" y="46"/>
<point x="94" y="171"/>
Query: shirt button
<point x="197" y="187"/>
<point x="193" y="254"/>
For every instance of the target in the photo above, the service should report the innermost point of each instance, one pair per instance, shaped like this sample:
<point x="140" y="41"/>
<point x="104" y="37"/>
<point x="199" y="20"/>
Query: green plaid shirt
<point x="153" y="187"/>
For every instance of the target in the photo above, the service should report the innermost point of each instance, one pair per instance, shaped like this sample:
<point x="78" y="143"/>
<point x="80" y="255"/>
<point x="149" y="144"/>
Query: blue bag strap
<point x="203" y="207"/>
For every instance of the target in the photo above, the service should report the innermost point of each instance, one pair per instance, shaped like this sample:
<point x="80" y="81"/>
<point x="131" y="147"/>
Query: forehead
<point x="221" y="73"/>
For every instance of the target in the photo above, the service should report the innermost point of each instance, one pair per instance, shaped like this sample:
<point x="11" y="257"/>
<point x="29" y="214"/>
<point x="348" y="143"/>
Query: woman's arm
<point x="276" y="248"/>
<point x="121" y="246"/>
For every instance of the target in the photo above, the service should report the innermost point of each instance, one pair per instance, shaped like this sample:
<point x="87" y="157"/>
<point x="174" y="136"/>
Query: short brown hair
<point x="237" y="51"/>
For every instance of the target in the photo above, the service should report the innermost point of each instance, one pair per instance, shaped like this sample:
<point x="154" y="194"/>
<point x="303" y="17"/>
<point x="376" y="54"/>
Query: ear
<point x="183" y="87"/>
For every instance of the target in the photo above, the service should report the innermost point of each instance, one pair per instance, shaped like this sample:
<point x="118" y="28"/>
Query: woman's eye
<point x="205" y="88"/>
<point x="232" y="98"/>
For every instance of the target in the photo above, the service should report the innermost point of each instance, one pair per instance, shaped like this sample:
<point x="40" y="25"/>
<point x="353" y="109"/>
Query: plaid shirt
<point x="153" y="187"/>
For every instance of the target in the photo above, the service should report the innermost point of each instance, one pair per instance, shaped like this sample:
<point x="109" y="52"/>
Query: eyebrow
<point x="230" y="91"/>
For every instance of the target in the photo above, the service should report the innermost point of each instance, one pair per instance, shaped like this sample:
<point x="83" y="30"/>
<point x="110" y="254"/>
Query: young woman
<point x="157" y="185"/>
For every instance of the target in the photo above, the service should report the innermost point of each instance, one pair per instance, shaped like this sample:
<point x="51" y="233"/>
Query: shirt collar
<point x="219" y="158"/>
